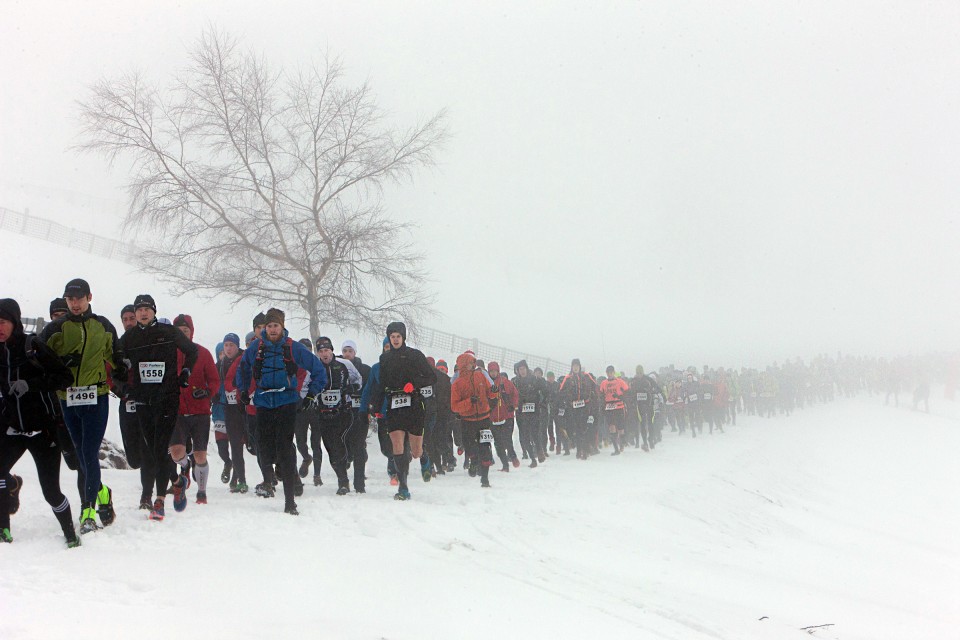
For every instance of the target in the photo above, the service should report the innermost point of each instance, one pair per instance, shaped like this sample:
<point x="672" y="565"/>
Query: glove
<point x="72" y="360"/>
<point x="184" y="378"/>
<point x="308" y="403"/>
<point x="200" y="394"/>
<point x="408" y="388"/>
<point x="244" y="397"/>
<point x="18" y="388"/>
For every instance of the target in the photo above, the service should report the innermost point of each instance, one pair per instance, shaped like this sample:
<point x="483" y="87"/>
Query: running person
<point x="335" y="411"/>
<point x="129" y="425"/>
<point x="533" y="397"/>
<point x="234" y="416"/>
<point x="469" y="400"/>
<point x="577" y="394"/>
<point x="612" y="390"/>
<point x="403" y="372"/>
<point x="271" y="364"/>
<point x="151" y="349"/>
<point x="193" y="419"/>
<point x="85" y="343"/>
<point x="29" y="374"/>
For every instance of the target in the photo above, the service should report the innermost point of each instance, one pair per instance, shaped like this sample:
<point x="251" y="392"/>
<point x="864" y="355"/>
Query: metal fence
<point x="41" y="228"/>
<point x="33" y="325"/>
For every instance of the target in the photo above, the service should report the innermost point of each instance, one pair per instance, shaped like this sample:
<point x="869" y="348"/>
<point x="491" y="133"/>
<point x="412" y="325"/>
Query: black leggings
<point x="308" y="422"/>
<point x="333" y="431"/>
<point x="46" y="455"/>
<point x="356" y="440"/>
<point x="275" y="429"/>
<point x="235" y="416"/>
<point x="156" y="427"/>
<point x="503" y="441"/>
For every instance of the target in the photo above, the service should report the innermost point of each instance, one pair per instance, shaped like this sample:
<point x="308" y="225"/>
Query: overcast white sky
<point x="695" y="182"/>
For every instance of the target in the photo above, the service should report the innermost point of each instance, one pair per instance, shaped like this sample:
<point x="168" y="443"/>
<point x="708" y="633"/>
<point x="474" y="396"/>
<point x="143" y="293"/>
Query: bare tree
<point x="266" y="185"/>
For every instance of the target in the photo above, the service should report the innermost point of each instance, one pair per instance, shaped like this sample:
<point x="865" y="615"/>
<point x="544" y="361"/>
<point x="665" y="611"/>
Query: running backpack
<point x="289" y="363"/>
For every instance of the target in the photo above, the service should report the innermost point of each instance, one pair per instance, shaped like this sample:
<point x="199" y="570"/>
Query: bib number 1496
<point x="81" y="396"/>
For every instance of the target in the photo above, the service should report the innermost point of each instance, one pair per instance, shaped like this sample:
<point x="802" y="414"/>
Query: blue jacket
<point x="373" y="382"/>
<point x="276" y="387"/>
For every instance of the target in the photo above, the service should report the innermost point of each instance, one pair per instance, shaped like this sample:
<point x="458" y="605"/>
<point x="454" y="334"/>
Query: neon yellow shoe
<point x="88" y="520"/>
<point x="105" y="506"/>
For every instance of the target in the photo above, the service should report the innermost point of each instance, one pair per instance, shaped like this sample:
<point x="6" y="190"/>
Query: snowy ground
<point x="842" y="515"/>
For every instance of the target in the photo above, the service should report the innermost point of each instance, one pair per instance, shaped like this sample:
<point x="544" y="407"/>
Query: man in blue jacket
<point x="272" y="361"/>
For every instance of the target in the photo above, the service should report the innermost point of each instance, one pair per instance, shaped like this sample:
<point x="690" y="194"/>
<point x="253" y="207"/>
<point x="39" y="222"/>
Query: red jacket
<point x="503" y="396"/>
<point x="203" y="376"/>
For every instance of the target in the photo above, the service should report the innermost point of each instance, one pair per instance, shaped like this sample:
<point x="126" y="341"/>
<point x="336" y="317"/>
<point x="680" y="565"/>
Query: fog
<point x="688" y="183"/>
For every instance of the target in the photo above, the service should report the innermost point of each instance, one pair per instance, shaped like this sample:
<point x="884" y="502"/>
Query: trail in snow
<point x="840" y="514"/>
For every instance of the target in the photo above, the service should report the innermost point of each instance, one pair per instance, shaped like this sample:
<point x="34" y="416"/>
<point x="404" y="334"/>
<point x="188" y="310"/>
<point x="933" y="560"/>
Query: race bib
<point x="641" y="397"/>
<point x="81" y="396"/>
<point x="486" y="435"/>
<point x="502" y="422"/>
<point x="693" y="397"/>
<point x="578" y="404"/>
<point x="131" y="406"/>
<point x="355" y="403"/>
<point x="612" y="405"/>
<point x="232" y="397"/>
<point x="560" y="412"/>
<point x="330" y="397"/>
<point x="220" y="427"/>
<point x="152" y="372"/>
<point x="427" y="392"/>
<point x="708" y="396"/>
<point x="399" y="402"/>
<point x="590" y="420"/>
<point x="529" y="407"/>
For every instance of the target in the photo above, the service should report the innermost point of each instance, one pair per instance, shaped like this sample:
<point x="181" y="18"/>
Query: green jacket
<point x="85" y="344"/>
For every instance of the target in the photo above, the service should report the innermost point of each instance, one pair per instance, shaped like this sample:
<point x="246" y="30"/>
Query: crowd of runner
<point x="280" y="403"/>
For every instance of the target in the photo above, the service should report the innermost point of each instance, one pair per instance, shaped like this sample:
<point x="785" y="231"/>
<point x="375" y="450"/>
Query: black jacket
<point x="441" y="390"/>
<point x="400" y="366"/>
<point x="43" y="371"/>
<point x="155" y="342"/>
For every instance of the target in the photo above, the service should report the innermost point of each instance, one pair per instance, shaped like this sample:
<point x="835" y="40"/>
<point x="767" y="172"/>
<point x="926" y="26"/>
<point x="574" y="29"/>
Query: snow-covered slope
<point x="842" y="515"/>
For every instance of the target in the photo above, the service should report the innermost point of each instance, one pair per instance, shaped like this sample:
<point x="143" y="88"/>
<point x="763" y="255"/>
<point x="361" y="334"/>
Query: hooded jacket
<point x="503" y="396"/>
<point x="532" y="390"/>
<point x="203" y="377"/>
<point x="37" y="409"/>
<point x="469" y="392"/>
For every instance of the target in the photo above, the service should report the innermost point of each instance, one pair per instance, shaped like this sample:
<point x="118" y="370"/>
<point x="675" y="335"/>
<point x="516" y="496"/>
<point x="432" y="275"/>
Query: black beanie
<point x="323" y="342"/>
<point x="397" y="327"/>
<point x="145" y="300"/>
<point x="58" y="304"/>
<point x="259" y="319"/>
<point x="128" y="309"/>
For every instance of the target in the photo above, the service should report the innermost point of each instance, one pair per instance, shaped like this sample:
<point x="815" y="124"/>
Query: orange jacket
<point x="468" y="394"/>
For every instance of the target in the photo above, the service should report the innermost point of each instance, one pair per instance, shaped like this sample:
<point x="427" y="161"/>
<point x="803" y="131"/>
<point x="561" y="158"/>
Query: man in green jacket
<point x="85" y="342"/>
